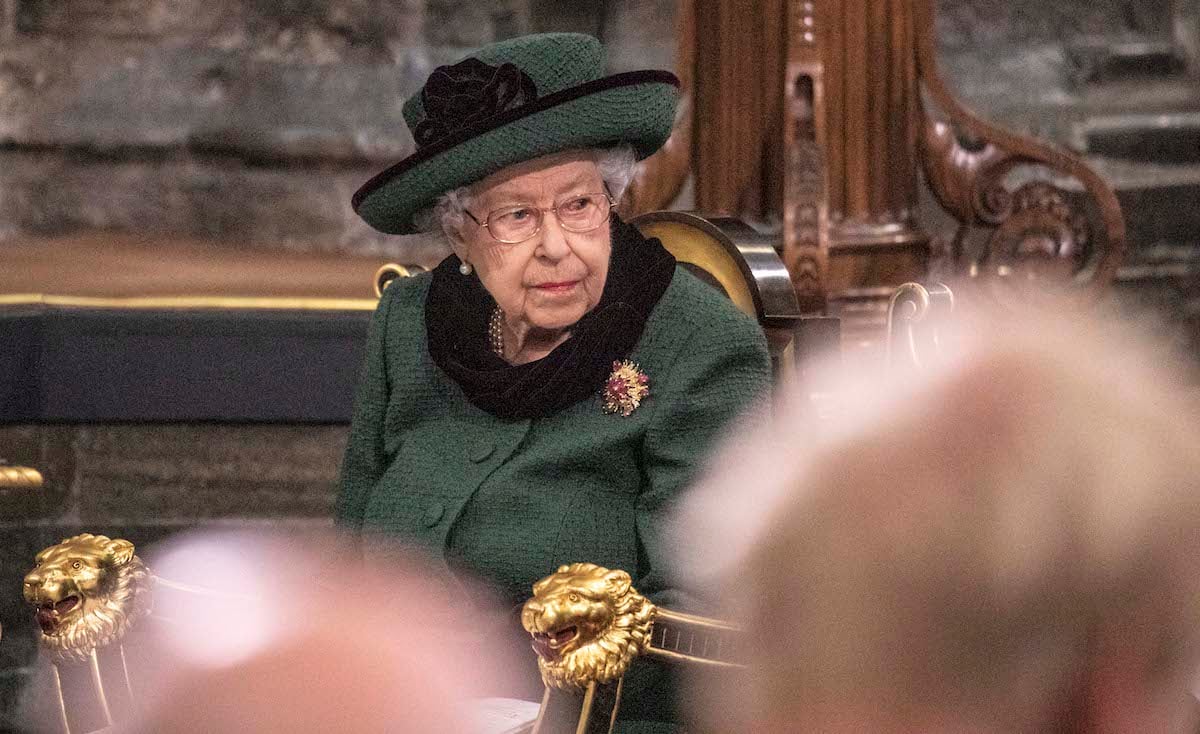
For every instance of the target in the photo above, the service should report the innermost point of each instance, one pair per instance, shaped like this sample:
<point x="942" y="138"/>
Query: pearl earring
<point x="465" y="268"/>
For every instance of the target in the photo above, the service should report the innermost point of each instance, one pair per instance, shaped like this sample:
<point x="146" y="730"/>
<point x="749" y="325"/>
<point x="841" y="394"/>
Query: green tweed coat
<point x="511" y="500"/>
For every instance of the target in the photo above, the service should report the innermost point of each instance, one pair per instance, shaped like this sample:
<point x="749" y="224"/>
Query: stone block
<point x="117" y="17"/>
<point x="328" y="30"/>
<point x="640" y="34"/>
<point x="315" y="29"/>
<point x="125" y="97"/>
<point x="1164" y="214"/>
<point x="579" y="16"/>
<point x="460" y="24"/>
<point x="962" y="23"/>
<point x="995" y="79"/>
<point x="182" y="473"/>
<point x="302" y="208"/>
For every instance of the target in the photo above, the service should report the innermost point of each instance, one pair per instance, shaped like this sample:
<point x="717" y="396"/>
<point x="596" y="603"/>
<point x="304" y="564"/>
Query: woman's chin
<point x="555" y="319"/>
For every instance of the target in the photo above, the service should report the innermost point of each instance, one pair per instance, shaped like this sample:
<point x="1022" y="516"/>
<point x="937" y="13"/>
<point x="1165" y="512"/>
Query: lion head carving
<point x="587" y="623"/>
<point x="88" y="591"/>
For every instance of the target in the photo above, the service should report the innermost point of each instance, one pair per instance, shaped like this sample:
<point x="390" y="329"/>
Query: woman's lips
<point x="560" y="287"/>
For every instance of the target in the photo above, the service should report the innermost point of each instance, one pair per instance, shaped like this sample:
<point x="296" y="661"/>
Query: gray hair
<point x="617" y="167"/>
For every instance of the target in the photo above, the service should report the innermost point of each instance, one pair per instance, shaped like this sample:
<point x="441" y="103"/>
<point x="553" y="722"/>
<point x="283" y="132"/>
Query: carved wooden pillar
<point x="852" y="111"/>
<point x="739" y="64"/>
<point x="730" y="61"/>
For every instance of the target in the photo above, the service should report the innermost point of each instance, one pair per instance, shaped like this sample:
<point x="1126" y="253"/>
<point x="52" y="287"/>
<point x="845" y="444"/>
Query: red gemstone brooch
<point x="626" y="388"/>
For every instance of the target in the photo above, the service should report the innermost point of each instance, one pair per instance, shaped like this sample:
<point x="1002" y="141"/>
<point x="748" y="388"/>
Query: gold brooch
<point x="626" y="388"/>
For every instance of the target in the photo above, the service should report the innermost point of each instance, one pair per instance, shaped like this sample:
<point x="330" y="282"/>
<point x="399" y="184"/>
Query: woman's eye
<point x="517" y="216"/>
<point x="574" y="206"/>
<point x="77" y="565"/>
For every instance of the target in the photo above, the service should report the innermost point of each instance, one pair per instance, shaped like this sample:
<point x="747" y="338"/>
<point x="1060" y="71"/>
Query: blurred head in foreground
<point x="1008" y="541"/>
<point x="293" y="635"/>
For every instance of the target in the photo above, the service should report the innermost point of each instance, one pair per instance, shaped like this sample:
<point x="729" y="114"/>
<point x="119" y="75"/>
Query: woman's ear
<point x="458" y="243"/>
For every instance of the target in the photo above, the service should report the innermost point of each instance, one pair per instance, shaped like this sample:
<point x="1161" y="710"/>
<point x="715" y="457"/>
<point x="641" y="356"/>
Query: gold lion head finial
<point x="588" y="623"/>
<point x="87" y="592"/>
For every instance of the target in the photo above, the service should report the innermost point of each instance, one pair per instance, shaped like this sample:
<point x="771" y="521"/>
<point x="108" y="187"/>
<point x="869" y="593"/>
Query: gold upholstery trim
<point x="692" y="245"/>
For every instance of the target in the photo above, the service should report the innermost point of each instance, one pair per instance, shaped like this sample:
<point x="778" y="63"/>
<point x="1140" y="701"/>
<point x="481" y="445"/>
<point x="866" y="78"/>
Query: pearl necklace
<point x="496" y="332"/>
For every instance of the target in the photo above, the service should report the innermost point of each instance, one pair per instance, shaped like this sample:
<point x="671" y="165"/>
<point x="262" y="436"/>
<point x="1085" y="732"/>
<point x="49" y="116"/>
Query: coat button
<point x="482" y="450"/>
<point x="433" y="513"/>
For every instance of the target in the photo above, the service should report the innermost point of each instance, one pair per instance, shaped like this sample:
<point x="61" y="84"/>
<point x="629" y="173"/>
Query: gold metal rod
<point x="693" y="619"/>
<point x="585" y="712"/>
<point x="62" y="703"/>
<point x="678" y="657"/>
<point x="13" y="477"/>
<point x="99" y="683"/>
<point x="541" y="717"/>
<point x="125" y="669"/>
<point x="612" y="720"/>
<point x="188" y="588"/>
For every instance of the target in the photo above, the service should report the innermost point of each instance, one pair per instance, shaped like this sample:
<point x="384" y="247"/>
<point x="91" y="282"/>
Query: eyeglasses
<point x="577" y="213"/>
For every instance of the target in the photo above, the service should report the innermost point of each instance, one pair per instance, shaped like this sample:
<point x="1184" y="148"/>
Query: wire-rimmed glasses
<point x="576" y="213"/>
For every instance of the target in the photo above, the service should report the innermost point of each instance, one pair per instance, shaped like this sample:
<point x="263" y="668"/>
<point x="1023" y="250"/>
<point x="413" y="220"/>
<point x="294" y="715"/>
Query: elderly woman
<point x="545" y="393"/>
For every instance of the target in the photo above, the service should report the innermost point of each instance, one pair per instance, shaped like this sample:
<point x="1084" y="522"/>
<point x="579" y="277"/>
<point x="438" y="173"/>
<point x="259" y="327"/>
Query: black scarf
<point x="458" y="308"/>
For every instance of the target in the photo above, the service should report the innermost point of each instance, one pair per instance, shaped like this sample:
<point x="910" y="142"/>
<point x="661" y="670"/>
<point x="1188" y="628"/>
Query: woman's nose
<point x="553" y="245"/>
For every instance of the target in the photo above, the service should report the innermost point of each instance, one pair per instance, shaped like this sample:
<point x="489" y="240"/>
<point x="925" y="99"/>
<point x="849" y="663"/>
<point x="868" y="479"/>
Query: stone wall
<point x="248" y="121"/>
<point x="252" y="121"/>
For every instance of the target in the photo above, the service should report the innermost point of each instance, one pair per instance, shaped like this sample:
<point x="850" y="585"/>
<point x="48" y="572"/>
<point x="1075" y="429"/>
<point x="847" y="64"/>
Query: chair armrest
<point x="589" y="624"/>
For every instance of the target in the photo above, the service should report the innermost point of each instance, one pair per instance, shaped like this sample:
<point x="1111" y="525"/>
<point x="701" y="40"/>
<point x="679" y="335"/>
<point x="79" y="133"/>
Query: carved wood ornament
<point x="1038" y="228"/>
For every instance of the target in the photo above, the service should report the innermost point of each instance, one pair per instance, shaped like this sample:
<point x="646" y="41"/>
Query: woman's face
<point x="551" y="280"/>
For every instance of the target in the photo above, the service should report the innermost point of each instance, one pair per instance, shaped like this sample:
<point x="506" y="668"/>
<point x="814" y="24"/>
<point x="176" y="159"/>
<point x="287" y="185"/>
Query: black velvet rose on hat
<point x="459" y="96"/>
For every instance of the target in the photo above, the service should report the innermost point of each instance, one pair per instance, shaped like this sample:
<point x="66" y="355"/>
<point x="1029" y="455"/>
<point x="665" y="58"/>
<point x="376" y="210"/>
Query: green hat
<point x="511" y="102"/>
